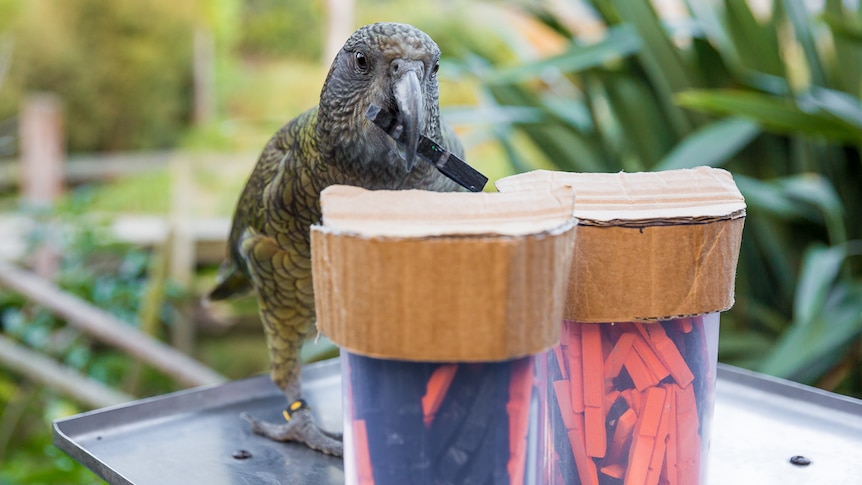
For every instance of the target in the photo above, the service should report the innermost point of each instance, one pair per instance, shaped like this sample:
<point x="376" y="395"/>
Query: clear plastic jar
<point x="440" y="423"/>
<point x="630" y="403"/>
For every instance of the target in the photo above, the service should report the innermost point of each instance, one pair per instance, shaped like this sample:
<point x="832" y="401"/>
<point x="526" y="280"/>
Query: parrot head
<point x="393" y="66"/>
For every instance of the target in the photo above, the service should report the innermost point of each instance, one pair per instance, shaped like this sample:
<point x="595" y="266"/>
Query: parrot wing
<point x="231" y="282"/>
<point x="251" y="212"/>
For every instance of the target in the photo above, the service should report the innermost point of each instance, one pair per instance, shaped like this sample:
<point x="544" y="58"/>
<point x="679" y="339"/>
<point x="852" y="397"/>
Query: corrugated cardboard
<point x="428" y="276"/>
<point x="651" y="246"/>
<point x="419" y="213"/>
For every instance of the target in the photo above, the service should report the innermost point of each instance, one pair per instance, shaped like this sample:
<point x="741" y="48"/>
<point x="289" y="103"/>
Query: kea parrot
<point x="393" y="66"/>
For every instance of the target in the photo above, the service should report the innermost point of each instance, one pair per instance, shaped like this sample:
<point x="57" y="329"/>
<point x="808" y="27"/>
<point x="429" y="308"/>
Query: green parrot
<point x="393" y="66"/>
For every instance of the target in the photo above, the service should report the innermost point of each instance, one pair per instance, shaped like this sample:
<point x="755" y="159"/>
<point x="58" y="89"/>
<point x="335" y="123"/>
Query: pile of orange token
<point x="626" y="395"/>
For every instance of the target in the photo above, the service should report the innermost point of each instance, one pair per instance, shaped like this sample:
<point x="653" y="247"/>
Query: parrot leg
<point x="286" y="305"/>
<point x="300" y="428"/>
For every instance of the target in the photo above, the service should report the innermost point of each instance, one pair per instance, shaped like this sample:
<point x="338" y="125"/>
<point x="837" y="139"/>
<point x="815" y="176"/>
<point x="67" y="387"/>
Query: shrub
<point x="122" y="68"/>
<point x="772" y="97"/>
<point x="279" y="28"/>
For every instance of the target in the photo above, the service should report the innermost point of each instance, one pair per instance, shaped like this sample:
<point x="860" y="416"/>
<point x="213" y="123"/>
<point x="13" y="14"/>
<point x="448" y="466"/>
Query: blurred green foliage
<point x="113" y="277"/>
<point x="122" y="68"/>
<point x="278" y="28"/>
<point x="774" y="97"/>
<point x="33" y="459"/>
<point x="8" y="11"/>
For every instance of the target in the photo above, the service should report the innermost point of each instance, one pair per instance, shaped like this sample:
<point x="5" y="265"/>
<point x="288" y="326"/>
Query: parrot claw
<point x="300" y="428"/>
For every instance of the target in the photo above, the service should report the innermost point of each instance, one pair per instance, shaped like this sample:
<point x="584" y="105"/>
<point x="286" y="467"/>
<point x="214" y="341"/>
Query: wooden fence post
<point x="203" y="69"/>
<point x="42" y="149"/>
<point x="339" y="26"/>
<point x="181" y="244"/>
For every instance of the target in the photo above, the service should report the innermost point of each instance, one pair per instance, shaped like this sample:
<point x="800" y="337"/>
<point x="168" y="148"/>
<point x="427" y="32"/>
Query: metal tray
<point x="190" y="437"/>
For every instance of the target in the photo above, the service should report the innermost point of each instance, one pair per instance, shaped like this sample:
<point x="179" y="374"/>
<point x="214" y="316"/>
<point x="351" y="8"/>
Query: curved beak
<point x="411" y="106"/>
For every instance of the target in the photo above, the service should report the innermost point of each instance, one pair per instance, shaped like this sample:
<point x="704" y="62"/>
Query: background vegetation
<point x="772" y="96"/>
<point x="769" y="90"/>
<point x="122" y="74"/>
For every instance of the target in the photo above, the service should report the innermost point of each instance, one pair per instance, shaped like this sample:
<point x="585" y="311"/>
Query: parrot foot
<point x="300" y="427"/>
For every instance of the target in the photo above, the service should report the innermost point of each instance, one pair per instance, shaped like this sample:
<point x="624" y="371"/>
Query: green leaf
<point x="803" y="346"/>
<point x="504" y="134"/>
<point x="769" y="270"/>
<point x="756" y="44"/>
<point x="773" y="199"/>
<point x="572" y="112"/>
<point x="839" y="104"/>
<point x="845" y="67"/>
<point x="807" y="196"/>
<point x="827" y="312"/>
<point x="711" y="145"/>
<point x="707" y="15"/>
<point x="820" y="267"/>
<point x="487" y="114"/>
<point x="619" y="42"/>
<point x="841" y="318"/>
<point x="645" y="136"/>
<point x="661" y="60"/>
<point x="559" y="142"/>
<point x="844" y="26"/>
<point x="776" y="114"/>
<point x="737" y="344"/>
<point x="659" y="52"/>
<point x="565" y="147"/>
<point x="817" y="191"/>
<point x="797" y="14"/>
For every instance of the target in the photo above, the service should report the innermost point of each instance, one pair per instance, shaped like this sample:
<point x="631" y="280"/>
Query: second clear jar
<point x="630" y="403"/>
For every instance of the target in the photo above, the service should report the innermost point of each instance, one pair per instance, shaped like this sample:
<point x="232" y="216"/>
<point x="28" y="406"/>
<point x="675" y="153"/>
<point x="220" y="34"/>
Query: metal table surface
<point x="191" y="436"/>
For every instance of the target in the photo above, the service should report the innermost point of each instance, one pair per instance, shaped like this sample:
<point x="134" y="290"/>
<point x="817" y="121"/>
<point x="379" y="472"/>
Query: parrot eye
<point x="361" y="61"/>
<point x="436" y="68"/>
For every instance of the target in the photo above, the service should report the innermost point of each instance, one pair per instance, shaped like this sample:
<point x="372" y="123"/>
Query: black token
<point x="430" y="151"/>
<point x="800" y="460"/>
<point x="241" y="454"/>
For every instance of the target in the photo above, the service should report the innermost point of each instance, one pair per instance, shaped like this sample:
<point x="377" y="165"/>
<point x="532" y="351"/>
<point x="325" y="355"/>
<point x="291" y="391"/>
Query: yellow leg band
<point x="293" y="408"/>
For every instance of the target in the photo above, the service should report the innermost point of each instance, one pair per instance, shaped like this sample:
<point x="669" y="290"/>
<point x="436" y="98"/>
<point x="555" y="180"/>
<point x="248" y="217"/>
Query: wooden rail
<point x="106" y="328"/>
<point x="65" y="380"/>
<point x="80" y="168"/>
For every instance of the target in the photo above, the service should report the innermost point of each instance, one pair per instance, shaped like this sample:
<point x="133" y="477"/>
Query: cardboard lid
<point x="652" y="245"/>
<point x="427" y="276"/>
<point x="419" y="213"/>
